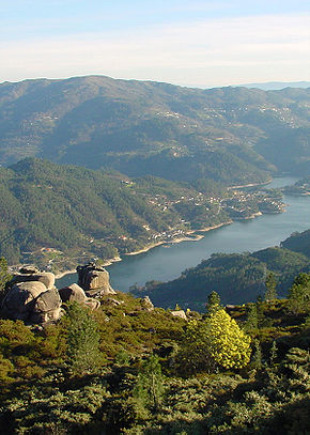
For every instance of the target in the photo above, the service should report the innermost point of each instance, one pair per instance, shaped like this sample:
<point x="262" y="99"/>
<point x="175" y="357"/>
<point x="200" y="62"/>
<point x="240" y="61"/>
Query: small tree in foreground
<point x="229" y="345"/>
<point x="252" y="317"/>
<point x="216" y="342"/>
<point x="82" y="340"/>
<point x="299" y="294"/>
<point x="150" y="386"/>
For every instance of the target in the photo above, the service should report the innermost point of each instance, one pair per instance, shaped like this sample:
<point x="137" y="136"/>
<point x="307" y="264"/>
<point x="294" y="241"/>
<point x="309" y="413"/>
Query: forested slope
<point x="238" y="278"/>
<point x="234" y="135"/>
<point x="52" y="212"/>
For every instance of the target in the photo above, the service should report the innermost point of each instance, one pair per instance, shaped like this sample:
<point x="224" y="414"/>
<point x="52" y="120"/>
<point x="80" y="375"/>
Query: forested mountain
<point x="52" y="212"/>
<point x="238" y="278"/>
<point x="233" y="135"/>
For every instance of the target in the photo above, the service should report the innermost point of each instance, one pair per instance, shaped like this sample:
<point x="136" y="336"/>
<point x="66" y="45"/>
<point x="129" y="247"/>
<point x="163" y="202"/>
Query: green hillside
<point x="233" y="135"/>
<point x="238" y="278"/>
<point x="54" y="215"/>
<point x="299" y="242"/>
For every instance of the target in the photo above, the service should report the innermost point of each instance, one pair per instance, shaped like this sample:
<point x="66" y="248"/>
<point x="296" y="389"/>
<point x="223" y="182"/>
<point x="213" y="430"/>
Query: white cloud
<point x="208" y="52"/>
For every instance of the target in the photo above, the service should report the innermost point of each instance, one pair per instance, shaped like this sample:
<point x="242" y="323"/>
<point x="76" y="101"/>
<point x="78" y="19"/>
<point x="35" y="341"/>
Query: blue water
<point x="164" y="264"/>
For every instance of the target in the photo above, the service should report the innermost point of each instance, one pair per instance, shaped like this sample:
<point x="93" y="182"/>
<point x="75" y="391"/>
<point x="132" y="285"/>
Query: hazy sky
<point x="191" y="43"/>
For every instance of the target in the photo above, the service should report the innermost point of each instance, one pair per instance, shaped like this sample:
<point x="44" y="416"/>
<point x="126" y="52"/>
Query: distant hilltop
<point x="276" y="86"/>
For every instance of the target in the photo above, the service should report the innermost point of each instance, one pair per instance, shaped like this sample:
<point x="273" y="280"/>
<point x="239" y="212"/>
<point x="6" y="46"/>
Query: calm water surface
<point x="164" y="264"/>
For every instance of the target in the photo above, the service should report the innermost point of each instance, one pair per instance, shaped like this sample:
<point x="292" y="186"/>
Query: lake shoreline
<point x="249" y="185"/>
<point x="194" y="233"/>
<point x="190" y="236"/>
<point x="247" y="236"/>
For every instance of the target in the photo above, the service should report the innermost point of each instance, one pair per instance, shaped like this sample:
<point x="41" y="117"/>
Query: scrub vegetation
<point x="135" y="370"/>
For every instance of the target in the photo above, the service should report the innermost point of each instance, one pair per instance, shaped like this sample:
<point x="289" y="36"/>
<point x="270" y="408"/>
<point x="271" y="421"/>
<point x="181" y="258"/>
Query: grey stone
<point x="20" y="299"/>
<point x="46" y="317"/>
<point x="75" y="293"/>
<point x="47" y="307"/>
<point x="94" y="280"/>
<point x="47" y="301"/>
<point x="72" y="293"/>
<point x="47" y="278"/>
<point x="91" y="303"/>
<point x="112" y="302"/>
<point x="29" y="269"/>
<point x="147" y="304"/>
<point x="179" y="313"/>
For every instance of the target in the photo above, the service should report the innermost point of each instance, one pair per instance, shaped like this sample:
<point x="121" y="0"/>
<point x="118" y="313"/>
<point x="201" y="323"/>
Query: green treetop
<point x="299" y="294"/>
<point x="213" y="303"/>
<point x="216" y="342"/>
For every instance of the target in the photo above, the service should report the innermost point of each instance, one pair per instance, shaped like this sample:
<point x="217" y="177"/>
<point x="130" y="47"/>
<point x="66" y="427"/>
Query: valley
<point x="154" y="218"/>
<point x="162" y="265"/>
<point x="58" y="215"/>
<point x="164" y="164"/>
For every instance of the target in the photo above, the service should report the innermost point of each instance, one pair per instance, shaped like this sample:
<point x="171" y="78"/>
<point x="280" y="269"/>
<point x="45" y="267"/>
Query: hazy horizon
<point x="189" y="43"/>
<point x="274" y="85"/>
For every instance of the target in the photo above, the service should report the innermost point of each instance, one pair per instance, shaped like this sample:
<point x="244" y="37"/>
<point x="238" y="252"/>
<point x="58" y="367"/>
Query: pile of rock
<point x="94" y="280"/>
<point x="33" y="297"/>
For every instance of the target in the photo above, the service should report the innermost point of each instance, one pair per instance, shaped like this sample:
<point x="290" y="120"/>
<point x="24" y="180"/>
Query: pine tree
<point x="257" y="356"/>
<point x="252" y="318"/>
<point x="299" y="294"/>
<point x="271" y="288"/>
<point x="260" y="312"/>
<point x="82" y="340"/>
<point x="150" y="386"/>
<point x="273" y="354"/>
<point x="4" y="277"/>
<point x="298" y="362"/>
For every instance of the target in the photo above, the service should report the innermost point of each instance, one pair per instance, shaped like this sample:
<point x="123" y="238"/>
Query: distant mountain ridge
<point x="231" y="135"/>
<point x="276" y="86"/>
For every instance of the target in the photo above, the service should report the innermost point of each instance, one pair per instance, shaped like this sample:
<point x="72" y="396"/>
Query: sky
<point x="189" y="43"/>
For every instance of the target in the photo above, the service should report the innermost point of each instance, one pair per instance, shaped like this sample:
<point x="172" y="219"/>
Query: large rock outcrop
<point x="33" y="297"/>
<point x="47" y="278"/>
<point x="147" y="304"/>
<point x="94" y="280"/>
<point x="72" y="293"/>
<point x="20" y="299"/>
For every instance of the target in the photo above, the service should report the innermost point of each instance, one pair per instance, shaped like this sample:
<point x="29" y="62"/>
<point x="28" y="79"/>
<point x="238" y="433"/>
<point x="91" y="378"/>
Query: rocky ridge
<point x="33" y="298"/>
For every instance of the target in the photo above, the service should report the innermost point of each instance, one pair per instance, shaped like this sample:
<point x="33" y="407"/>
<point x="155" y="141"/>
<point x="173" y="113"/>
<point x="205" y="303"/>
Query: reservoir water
<point x="163" y="264"/>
